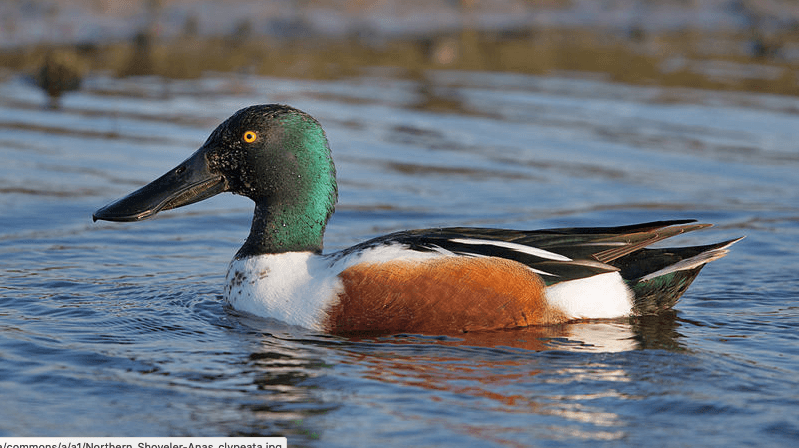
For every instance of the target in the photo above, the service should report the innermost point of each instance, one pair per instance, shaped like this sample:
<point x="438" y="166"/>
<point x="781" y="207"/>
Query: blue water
<point x="119" y="329"/>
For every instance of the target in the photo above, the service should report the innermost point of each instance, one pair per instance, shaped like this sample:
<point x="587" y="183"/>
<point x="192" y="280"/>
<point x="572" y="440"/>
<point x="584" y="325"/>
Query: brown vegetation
<point x="688" y="59"/>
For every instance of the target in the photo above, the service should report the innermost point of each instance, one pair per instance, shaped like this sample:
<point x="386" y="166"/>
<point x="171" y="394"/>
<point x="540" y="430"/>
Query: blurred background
<point x="750" y="45"/>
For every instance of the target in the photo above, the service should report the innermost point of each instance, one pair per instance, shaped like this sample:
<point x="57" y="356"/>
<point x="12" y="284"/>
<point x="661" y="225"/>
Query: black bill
<point x="190" y="182"/>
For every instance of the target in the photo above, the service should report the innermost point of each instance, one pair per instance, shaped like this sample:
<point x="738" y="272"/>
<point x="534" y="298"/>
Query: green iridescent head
<point x="276" y="155"/>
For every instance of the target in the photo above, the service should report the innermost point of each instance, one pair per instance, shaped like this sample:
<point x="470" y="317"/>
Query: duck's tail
<point x="658" y="277"/>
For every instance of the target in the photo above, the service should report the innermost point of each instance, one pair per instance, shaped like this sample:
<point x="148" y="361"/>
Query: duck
<point x="60" y="72"/>
<point x="426" y="281"/>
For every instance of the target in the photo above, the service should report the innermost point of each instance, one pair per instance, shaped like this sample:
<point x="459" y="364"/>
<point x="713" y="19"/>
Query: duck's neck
<point x="277" y="229"/>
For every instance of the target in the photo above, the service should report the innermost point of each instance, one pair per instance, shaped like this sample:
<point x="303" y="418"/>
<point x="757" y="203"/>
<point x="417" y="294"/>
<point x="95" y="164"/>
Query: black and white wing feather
<point x="556" y="254"/>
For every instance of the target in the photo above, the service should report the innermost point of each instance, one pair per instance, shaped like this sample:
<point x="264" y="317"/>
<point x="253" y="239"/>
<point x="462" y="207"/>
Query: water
<point x="119" y="329"/>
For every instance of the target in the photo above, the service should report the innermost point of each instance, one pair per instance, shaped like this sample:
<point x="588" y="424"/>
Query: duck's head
<point x="276" y="155"/>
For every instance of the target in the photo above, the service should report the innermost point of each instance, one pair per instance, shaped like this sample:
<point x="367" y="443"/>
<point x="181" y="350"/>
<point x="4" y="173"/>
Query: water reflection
<point x="538" y="370"/>
<point x="613" y="336"/>
<point x="510" y="373"/>
<point x="285" y="371"/>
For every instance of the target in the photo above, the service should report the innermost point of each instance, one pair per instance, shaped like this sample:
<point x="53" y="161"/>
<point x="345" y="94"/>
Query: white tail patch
<point x="601" y="296"/>
<point x="530" y="250"/>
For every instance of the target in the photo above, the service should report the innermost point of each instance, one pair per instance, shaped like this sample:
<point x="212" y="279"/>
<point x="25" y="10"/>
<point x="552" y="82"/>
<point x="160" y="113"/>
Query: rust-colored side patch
<point x="443" y="295"/>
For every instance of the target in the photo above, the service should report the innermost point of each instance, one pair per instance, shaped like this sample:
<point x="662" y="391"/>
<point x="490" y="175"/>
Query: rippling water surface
<point x="119" y="329"/>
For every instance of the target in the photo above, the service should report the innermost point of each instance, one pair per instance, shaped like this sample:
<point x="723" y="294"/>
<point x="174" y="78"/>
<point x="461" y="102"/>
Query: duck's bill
<point x="190" y="182"/>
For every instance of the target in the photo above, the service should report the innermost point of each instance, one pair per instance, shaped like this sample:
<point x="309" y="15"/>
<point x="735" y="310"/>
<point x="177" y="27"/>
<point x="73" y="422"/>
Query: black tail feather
<point x="659" y="277"/>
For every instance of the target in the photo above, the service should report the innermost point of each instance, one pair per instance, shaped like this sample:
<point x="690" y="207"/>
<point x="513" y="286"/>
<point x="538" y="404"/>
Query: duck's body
<point x="422" y="281"/>
<point x="468" y="279"/>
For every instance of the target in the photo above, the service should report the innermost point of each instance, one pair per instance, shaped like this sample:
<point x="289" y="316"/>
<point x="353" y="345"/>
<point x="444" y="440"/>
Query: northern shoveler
<point x="424" y="281"/>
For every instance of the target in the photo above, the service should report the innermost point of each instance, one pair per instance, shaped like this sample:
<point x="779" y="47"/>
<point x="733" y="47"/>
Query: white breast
<point x="293" y="287"/>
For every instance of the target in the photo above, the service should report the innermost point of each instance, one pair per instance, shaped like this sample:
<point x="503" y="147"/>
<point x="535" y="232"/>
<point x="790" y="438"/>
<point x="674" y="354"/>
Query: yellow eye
<point x="250" y="136"/>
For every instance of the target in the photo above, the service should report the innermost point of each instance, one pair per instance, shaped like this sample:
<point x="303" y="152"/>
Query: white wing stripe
<point x="540" y="272"/>
<point x="541" y="253"/>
